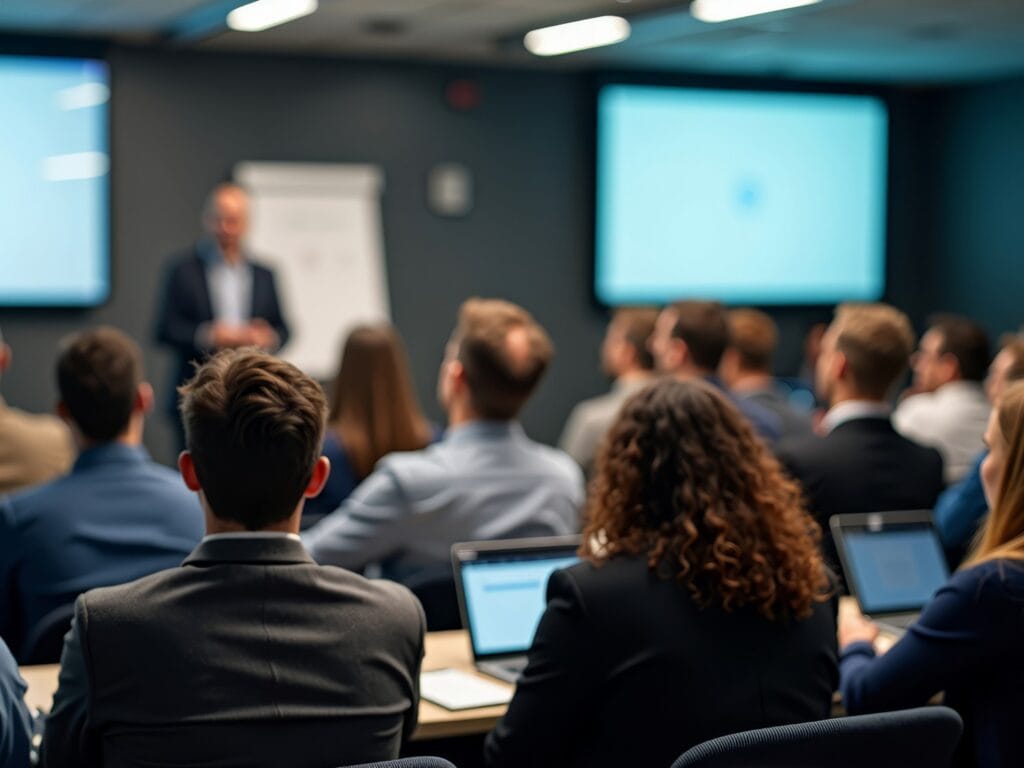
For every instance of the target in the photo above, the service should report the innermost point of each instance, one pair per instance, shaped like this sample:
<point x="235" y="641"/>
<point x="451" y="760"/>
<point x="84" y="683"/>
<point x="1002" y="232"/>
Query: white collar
<point x="251" y="535"/>
<point x="849" y="410"/>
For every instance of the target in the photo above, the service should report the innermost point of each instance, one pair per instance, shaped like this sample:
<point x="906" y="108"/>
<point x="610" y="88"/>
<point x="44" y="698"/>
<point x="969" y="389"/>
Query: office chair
<point x="46" y="640"/>
<point x="926" y="736"/>
<point x="408" y="762"/>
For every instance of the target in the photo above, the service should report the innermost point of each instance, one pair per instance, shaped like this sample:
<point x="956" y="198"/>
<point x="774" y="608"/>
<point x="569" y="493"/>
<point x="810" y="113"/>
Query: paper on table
<point x="454" y="689"/>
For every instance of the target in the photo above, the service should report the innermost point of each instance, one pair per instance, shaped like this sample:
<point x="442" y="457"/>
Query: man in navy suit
<point x="116" y="516"/>
<point x="215" y="296"/>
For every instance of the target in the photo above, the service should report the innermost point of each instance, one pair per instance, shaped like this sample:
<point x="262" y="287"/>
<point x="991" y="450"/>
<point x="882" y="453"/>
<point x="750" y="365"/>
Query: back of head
<point x="373" y="403"/>
<point x="683" y="481"/>
<point x="704" y="327"/>
<point x="254" y="426"/>
<point x="636" y="324"/>
<point x="504" y="353"/>
<point x="877" y="341"/>
<point x="754" y="336"/>
<point x="98" y="377"/>
<point x="964" y="340"/>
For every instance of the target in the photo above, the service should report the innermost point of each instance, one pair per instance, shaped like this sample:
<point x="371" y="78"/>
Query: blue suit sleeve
<point x="15" y="721"/>
<point x="960" y="508"/>
<point x="958" y="632"/>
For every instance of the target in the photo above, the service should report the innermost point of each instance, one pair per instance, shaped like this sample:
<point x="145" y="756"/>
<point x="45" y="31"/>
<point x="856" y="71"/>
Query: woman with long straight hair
<point x="373" y="412"/>
<point x="702" y="606"/>
<point x="967" y="642"/>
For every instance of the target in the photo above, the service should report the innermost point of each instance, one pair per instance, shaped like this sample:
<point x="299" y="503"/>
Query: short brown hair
<point x="704" y="328"/>
<point x="1013" y="343"/>
<point x="254" y="426"/>
<point x="966" y="341"/>
<point x="683" y="482"/>
<point x="754" y="336"/>
<point x="637" y="325"/>
<point x="504" y="352"/>
<point x="877" y="341"/>
<point x="98" y="376"/>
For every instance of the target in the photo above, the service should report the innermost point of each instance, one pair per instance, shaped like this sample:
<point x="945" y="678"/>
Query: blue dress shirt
<point x="485" y="480"/>
<point x="966" y="643"/>
<point x="115" y="517"/>
<point x="960" y="509"/>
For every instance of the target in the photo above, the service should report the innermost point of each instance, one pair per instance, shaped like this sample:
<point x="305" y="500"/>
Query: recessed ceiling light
<point x="577" y="36"/>
<point x="725" y="10"/>
<point x="264" y="14"/>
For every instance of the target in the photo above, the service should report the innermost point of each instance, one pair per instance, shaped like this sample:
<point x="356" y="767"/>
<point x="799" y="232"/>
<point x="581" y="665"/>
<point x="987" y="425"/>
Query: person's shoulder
<point x="125" y="600"/>
<point x="997" y="579"/>
<point x="915" y="406"/>
<point x="390" y="603"/>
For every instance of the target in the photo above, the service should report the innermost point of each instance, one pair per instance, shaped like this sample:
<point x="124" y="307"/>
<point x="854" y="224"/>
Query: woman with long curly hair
<point x="702" y="605"/>
<point x="967" y="642"/>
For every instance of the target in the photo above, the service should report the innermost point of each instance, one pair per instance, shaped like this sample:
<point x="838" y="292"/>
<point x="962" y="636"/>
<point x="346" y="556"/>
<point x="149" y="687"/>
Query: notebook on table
<point x="893" y="563"/>
<point x="502" y="589"/>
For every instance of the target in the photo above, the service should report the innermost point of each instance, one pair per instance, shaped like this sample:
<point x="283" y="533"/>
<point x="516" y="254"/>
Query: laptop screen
<point x="895" y="569"/>
<point x="505" y="595"/>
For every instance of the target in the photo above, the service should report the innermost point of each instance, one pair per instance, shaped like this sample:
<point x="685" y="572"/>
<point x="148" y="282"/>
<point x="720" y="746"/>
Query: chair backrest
<point x="927" y="737"/>
<point x="46" y="640"/>
<point x="409" y="762"/>
<point x="435" y="589"/>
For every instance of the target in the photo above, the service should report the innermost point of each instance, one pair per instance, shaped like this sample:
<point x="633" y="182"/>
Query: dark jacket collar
<point x="253" y="550"/>
<point x="111" y="453"/>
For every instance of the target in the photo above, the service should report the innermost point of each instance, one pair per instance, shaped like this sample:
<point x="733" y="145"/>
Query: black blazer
<point x="863" y="465"/>
<point x="625" y="670"/>
<point x="249" y="654"/>
<point x="186" y="306"/>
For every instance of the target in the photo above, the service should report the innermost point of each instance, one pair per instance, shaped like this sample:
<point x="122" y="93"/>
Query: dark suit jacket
<point x="187" y="305"/>
<point x="863" y="465"/>
<point x="249" y="655"/>
<point x="625" y="670"/>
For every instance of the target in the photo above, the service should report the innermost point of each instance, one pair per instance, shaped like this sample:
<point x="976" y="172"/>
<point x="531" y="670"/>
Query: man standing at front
<point x="215" y="296"/>
<point x="484" y="480"/>
<point x="249" y="654"/>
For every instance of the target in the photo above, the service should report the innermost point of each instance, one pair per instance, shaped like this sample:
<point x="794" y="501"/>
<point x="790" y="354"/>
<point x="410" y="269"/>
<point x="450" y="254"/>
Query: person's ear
<point x="679" y="352"/>
<point x="5" y="357"/>
<point x="62" y="412"/>
<point x="321" y="471"/>
<point x="144" y="398"/>
<point x="840" y="367"/>
<point x="187" y="468"/>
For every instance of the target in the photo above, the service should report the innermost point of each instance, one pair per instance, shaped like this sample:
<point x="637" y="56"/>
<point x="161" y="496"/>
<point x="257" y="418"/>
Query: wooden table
<point x="443" y="650"/>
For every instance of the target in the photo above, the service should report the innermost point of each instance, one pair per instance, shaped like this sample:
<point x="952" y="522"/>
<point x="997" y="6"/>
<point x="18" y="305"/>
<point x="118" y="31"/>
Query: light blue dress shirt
<point x="485" y="480"/>
<point x="230" y="285"/>
<point x="15" y="722"/>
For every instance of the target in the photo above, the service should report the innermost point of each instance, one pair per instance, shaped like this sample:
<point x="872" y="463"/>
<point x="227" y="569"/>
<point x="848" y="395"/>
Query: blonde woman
<point x="968" y="640"/>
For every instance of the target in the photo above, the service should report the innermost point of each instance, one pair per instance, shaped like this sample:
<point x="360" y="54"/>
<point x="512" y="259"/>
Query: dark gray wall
<point x="978" y="264"/>
<point x="180" y="121"/>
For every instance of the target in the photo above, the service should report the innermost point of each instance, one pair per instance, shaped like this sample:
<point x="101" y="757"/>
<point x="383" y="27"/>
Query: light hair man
<point x="860" y="463"/>
<point x="484" y="480"/>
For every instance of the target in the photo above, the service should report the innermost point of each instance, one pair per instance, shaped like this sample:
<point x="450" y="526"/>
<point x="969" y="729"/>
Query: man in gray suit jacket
<point x="249" y="654"/>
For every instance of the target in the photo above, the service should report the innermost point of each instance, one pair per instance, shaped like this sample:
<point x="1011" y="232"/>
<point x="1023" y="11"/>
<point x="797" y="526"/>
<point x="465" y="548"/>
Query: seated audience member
<point x="484" y="480"/>
<point x="33" y="448"/>
<point x="746" y="369"/>
<point x="862" y="464"/>
<point x="373" y="413"/>
<point x="115" y="517"/>
<point x="15" y="721"/>
<point x="949" y="410"/>
<point x="249" y="653"/>
<point x="961" y="507"/>
<point x="626" y="358"/>
<point x="701" y="607"/>
<point x="688" y="342"/>
<point x="967" y="642"/>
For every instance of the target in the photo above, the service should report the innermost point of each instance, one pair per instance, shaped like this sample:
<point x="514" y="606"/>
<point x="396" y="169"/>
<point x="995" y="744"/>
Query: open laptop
<point x="893" y="562"/>
<point x="502" y="588"/>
